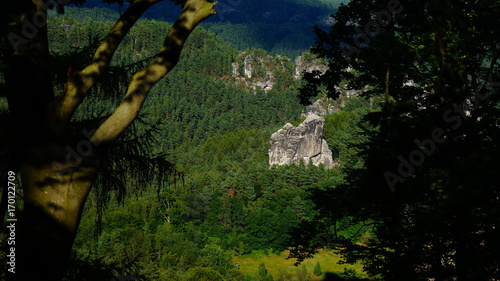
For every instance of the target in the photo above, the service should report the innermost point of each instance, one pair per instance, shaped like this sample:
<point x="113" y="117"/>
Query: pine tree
<point x="317" y="270"/>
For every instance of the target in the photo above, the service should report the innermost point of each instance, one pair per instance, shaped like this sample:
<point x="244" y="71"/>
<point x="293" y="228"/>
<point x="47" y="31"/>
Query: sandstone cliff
<point x="308" y="63"/>
<point x="304" y="142"/>
<point x="321" y="107"/>
<point x="258" y="70"/>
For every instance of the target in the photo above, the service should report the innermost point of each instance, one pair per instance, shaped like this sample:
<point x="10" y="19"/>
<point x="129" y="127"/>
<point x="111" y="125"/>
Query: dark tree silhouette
<point x="428" y="184"/>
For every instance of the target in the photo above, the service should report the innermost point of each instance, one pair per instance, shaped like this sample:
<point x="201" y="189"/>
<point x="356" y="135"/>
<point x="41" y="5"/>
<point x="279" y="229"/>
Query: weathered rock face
<point x="321" y="108"/>
<point x="307" y="65"/>
<point x="291" y="144"/>
<point x="257" y="70"/>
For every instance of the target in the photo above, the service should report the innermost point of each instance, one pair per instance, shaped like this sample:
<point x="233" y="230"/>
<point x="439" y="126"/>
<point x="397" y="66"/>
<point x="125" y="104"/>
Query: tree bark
<point x="54" y="198"/>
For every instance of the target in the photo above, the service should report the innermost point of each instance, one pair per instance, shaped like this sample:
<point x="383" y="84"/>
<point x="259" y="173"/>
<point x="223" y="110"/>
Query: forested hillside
<point x="215" y="129"/>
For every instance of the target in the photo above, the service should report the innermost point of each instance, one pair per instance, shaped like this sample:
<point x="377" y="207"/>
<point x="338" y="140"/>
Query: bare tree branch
<point x="80" y="82"/>
<point x="194" y="11"/>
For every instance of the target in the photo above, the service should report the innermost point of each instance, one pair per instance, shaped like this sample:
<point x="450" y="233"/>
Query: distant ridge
<point x="244" y="11"/>
<point x="246" y="24"/>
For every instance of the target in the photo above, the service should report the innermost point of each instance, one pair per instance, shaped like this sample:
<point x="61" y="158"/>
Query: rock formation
<point x="304" y="142"/>
<point x="256" y="69"/>
<point x="307" y="64"/>
<point x="321" y="107"/>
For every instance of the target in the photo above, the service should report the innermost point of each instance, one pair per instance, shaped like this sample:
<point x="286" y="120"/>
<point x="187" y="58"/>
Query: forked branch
<point x="194" y="11"/>
<point x="80" y="82"/>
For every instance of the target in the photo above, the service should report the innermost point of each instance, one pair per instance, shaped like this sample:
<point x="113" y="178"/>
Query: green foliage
<point x="345" y="131"/>
<point x="217" y="132"/>
<point x="317" y="270"/>
<point x="266" y="229"/>
<point x="216" y="257"/>
<point x="410" y="183"/>
<point x="262" y="274"/>
<point x="203" y="274"/>
<point x="303" y="274"/>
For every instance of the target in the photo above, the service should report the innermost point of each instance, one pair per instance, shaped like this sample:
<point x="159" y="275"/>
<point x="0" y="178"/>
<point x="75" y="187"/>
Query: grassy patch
<point x="275" y="263"/>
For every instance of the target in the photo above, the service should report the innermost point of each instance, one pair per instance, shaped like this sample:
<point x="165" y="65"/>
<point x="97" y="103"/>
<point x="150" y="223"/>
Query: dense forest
<point x="187" y="193"/>
<point x="225" y="199"/>
<point x="222" y="199"/>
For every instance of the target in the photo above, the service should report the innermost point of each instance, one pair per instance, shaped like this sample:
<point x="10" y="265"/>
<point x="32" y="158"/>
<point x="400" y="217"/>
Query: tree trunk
<point x="54" y="197"/>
